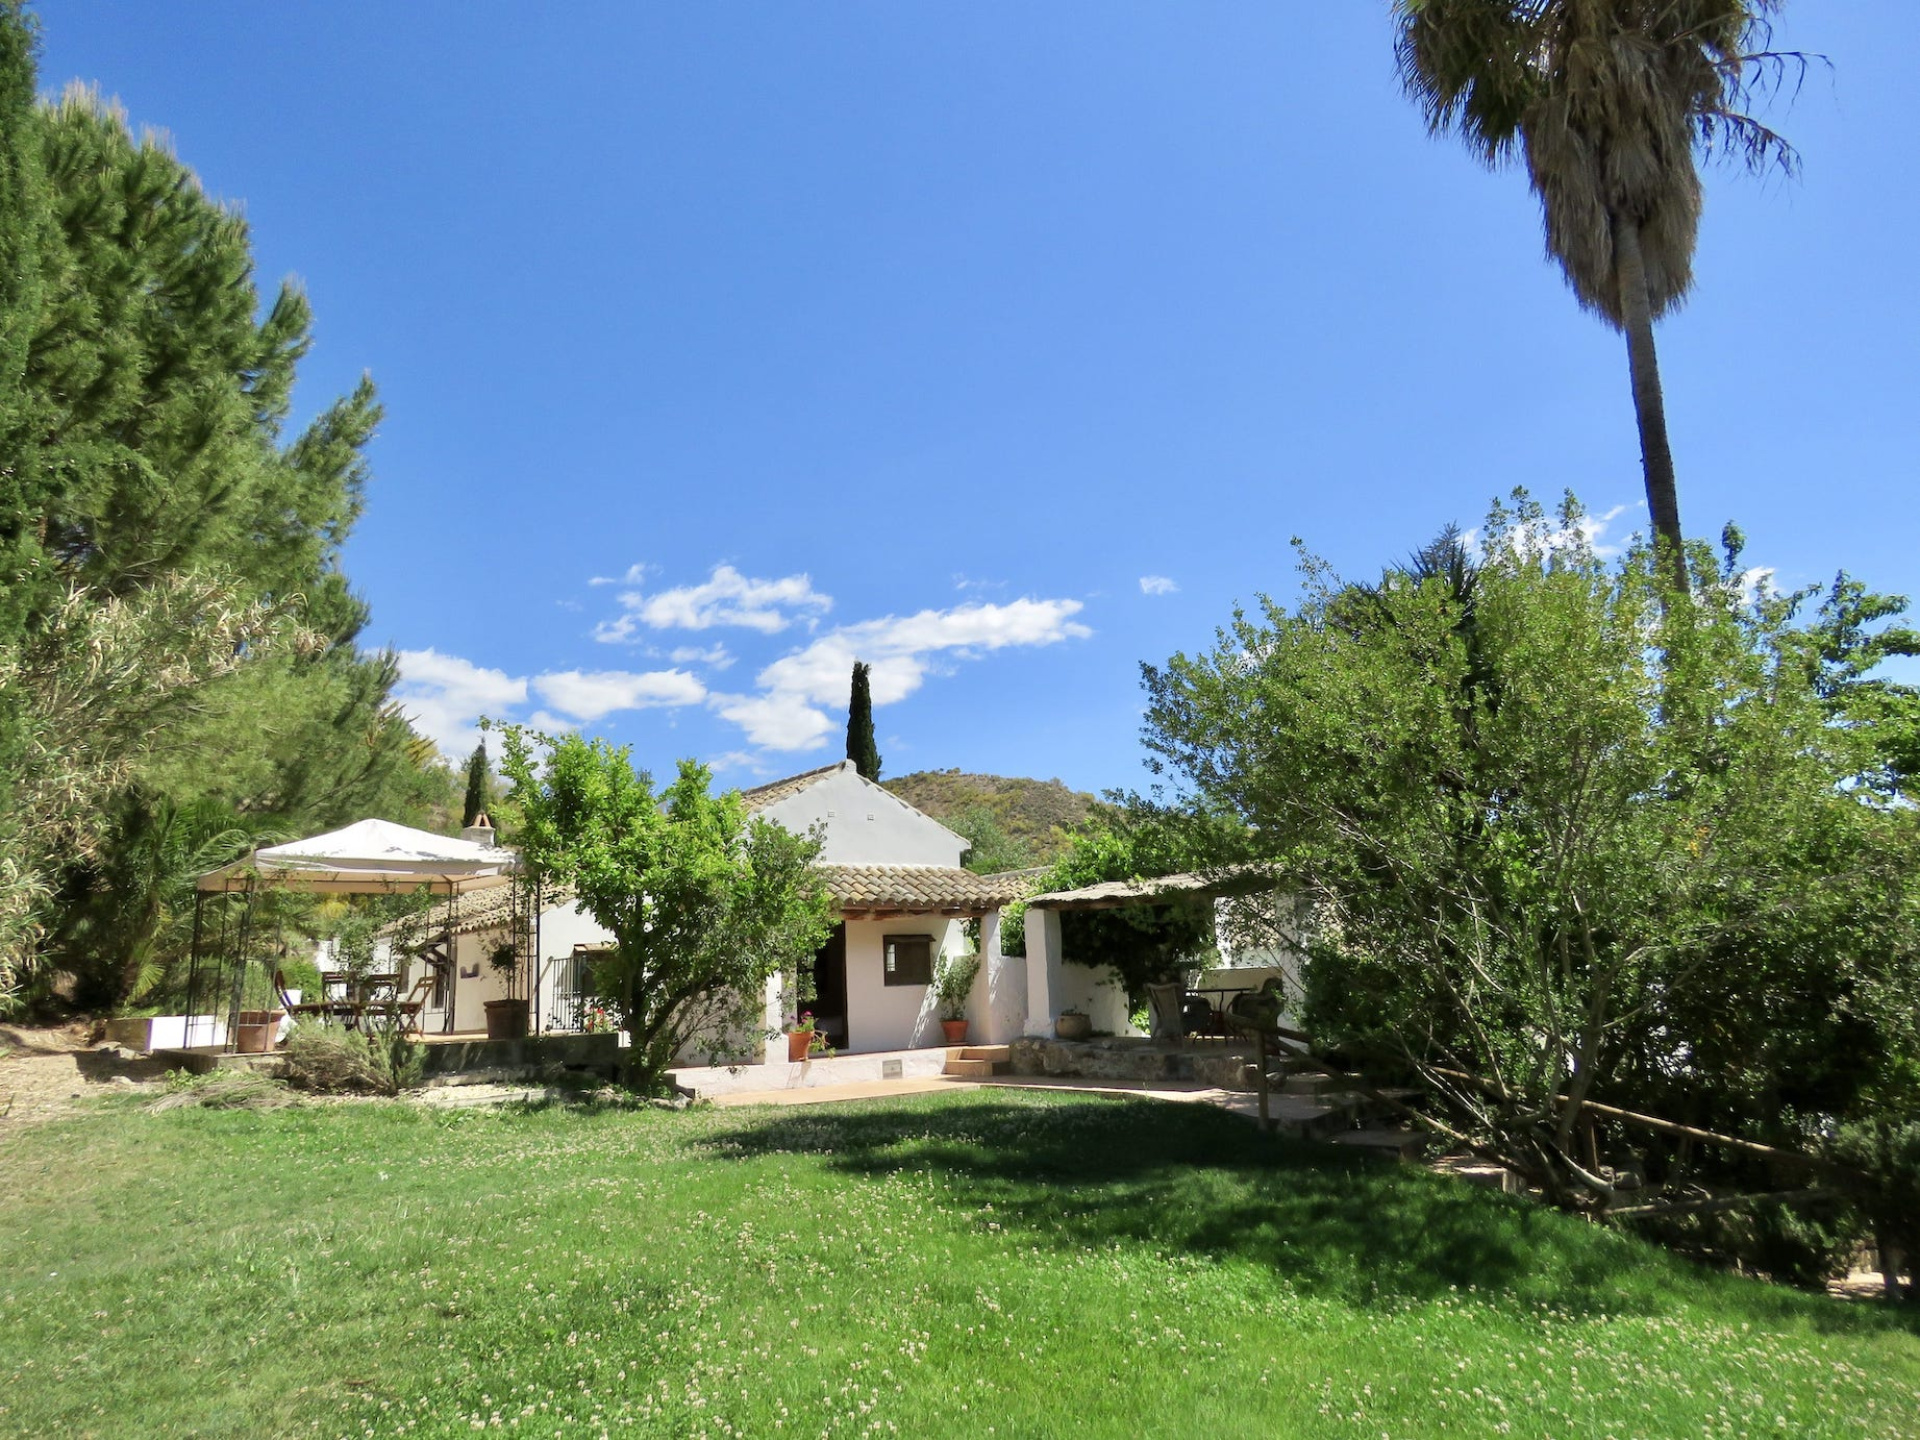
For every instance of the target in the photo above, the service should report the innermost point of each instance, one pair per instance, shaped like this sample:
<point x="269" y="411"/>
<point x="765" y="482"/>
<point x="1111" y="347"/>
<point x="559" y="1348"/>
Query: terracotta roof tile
<point x="924" y="888"/>
<point x="489" y="910"/>
<point x="774" y="791"/>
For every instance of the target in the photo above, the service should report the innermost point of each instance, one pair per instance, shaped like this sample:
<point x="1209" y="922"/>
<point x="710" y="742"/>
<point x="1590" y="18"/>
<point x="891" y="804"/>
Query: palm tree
<point x="1610" y="103"/>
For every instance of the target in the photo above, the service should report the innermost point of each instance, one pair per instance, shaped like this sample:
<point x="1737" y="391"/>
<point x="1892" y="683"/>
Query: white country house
<point x="901" y="898"/>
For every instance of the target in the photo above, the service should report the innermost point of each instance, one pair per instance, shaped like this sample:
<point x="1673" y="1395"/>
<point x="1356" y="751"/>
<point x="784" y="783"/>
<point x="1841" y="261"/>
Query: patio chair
<point x="1166" y="1011"/>
<point x="408" y="1011"/>
<point x="1257" y="1010"/>
<point x="1197" y="1015"/>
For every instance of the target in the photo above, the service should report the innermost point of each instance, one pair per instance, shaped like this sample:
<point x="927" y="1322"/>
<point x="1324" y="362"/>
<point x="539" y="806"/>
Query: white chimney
<point x="481" y="831"/>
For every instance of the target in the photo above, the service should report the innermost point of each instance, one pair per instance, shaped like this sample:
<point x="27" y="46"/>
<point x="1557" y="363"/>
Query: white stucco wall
<point x="1055" y="983"/>
<point x="866" y="824"/>
<point x="1260" y="936"/>
<point x="893" y="1017"/>
<point x="561" y="928"/>
<point x="997" y="1009"/>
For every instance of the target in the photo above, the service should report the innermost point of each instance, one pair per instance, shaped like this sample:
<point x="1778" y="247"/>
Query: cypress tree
<point x="476" y="785"/>
<point x="861" y="748"/>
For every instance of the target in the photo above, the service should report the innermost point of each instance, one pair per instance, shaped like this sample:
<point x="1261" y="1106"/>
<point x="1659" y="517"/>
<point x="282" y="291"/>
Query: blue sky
<point x="1002" y="345"/>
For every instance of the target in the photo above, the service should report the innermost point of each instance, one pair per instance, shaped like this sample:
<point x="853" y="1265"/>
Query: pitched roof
<point x="491" y="910"/>
<point x="1117" y="894"/>
<point x="857" y="890"/>
<point x="774" y="791"/>
<point x="923" y="889"/>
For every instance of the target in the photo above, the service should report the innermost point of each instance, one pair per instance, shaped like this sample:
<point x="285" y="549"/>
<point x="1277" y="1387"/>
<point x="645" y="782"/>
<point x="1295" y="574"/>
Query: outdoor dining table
<point x="373" y="995"/>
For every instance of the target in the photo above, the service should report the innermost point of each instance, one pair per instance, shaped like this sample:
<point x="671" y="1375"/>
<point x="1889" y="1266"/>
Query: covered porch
<point x="872" y="982"/>
<point x="1058" y="983"/>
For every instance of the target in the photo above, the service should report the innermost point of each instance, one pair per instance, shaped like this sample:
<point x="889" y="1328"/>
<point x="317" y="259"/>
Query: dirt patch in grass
<point x="46" y="1074"/>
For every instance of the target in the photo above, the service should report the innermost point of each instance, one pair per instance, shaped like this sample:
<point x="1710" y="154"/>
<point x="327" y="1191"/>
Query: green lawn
<point x="980" y="1263"/>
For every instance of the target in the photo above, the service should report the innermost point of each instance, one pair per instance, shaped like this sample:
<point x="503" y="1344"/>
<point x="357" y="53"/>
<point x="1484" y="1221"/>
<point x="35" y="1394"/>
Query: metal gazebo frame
<point x="370" y="857"/>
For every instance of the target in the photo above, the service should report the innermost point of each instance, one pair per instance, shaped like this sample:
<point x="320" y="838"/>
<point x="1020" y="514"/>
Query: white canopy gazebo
<point x="369" y="857"/>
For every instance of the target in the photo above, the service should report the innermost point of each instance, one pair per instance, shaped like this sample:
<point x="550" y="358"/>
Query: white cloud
<point x="739" y="760"/>
<point x="1157" y="585"/>
<point x="779" y="721"/>
<point x="1595" y="527"/>
<point x="726" y="597"/>
<point x="633" y="576"/>
<point x="1756" y="584"/>
<point x="716" y="655"/>
<point x="444" y="695"/>
<point x="589" y="695"/>
<point x="902" y="650"/>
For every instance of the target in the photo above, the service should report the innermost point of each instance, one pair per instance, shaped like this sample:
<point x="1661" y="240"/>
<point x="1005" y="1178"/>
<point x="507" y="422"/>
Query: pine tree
<point x="25" y="235"/>
<point x="861" y="747"/>
<point x="476" y="785"/>
<point x="146" y="455"/>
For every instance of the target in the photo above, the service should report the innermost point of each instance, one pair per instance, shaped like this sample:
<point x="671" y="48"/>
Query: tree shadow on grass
<point x="1189" y="1178"/>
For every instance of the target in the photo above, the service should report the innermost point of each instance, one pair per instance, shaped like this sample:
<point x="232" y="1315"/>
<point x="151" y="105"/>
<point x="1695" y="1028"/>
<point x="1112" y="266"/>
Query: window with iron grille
<point x="909" y="960"/>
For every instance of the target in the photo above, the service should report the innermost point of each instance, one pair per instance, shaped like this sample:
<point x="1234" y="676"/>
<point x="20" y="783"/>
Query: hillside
<point x="1033" y="816"/>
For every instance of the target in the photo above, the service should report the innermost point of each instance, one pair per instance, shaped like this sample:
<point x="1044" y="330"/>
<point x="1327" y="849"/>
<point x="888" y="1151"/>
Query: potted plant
<point x="256" y="1030"/>
<point x="802" y="1038"/>
<point x="1070" y="1024"/>
<point x="506" y="1019"/>
<point x="952" y="984"/>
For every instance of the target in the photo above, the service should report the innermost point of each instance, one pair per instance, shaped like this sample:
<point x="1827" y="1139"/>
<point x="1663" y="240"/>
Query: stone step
<point x="975" y="1069"/>
<point x="987" y="1052"/>
<point x="1311" y="1082"/>
<point x="1313" y="1119"/>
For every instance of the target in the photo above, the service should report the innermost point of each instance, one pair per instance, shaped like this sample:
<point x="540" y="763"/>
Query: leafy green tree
<point x="1560" y="841"/>
<point x="1850" y="640"/>
<point x="137" y="902"/>
<point x="992" y="850"/>
<point x="1141" y="944"/>
<point x="862" y="749"/>
<point x="705" y="902"/>
<point x="1608" y="102"/>
<point x="26" y="236"/>
<point x="477" y="782"/>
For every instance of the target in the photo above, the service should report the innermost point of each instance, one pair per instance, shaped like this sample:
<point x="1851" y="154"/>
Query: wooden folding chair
<point x="409" y="1010"/>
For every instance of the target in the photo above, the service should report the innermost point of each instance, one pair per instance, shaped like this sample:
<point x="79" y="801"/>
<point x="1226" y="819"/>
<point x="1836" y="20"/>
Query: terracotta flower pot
<point x="506" y="1019"/>
<point x="1073" y="1027"/>
<point x="256" y="1031"/>
<point x="955" y="1031"/>
<point x="799" y="1043"/>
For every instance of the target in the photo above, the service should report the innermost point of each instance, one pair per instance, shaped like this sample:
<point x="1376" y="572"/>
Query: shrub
<point x="331" y="1059"/>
